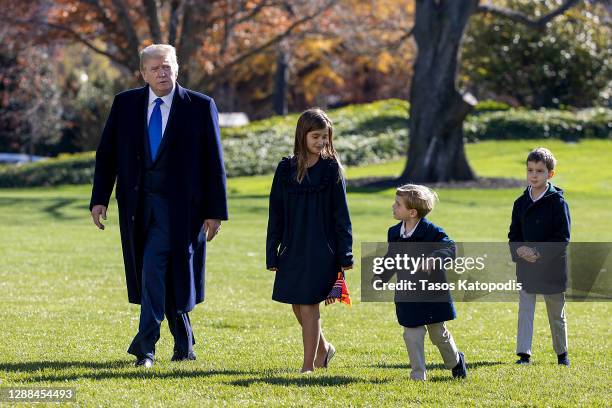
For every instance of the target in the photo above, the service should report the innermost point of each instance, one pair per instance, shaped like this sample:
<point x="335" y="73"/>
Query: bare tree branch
<point x="175" y="10"/>
<point x="106" y="22"/>
<point x="396" y="44"/>
<point x="241" y="8"/>
<point x="242" y="57"/>
<point x="153" y="20"/>
<point x="522" y="18"/>
<point x="110" y="27"/>
<point x="190" y="32"/>
<point x="72" y="33"/>
<point x="229" y="21"/>
<point x="253" y="12"/>
<point x="130" y="33"/>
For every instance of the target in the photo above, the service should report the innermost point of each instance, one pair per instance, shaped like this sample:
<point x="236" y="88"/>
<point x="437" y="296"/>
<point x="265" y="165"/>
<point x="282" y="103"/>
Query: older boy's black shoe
<point x="524" y="358"/>
<point x="460" y="370"/>
<point x="563" y="359"/>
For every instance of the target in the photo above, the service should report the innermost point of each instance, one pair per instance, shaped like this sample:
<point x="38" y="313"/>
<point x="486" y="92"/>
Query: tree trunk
<point x="437" y="109"/>
<point x="281" y="78"/>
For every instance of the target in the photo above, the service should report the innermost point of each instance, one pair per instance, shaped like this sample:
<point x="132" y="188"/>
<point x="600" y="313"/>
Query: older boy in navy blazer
<point x="539" y="233"/>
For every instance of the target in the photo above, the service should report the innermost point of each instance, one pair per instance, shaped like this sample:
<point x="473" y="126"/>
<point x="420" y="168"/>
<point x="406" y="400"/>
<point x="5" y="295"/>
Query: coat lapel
<point x="419" y="233"/>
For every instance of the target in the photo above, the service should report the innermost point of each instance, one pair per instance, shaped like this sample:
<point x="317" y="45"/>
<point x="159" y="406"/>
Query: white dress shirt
<point x="164" y="107"/>
<point x="541" y="195"/>
<point x="408" y="234"/>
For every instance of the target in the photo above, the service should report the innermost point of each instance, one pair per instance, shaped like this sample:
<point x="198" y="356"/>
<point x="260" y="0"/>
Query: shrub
<point x="64" y="169"/>
<point x="525" y="124"/>
<point x="363" y="134"/>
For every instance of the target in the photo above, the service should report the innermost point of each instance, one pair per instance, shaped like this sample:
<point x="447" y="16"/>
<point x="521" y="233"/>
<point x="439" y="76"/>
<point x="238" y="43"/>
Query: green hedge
<point x="489" y="105"/>
<point x="64" y="169"/>
<point x="364" y="134"/>
<point x="361" y="119"/>
<point x="542" y="124"/>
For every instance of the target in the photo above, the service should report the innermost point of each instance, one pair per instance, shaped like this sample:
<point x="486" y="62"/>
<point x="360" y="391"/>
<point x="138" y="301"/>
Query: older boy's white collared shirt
<point x="164" y="107"/>
<point x="540" y="196"/>
<point x="408" y="234"/>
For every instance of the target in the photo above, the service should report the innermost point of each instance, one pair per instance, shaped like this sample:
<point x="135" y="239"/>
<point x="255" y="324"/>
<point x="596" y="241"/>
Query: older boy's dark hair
<point x="542" y="154"/>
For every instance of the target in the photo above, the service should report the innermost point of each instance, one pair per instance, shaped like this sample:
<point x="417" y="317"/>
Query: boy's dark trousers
<point x="157" y="296"/>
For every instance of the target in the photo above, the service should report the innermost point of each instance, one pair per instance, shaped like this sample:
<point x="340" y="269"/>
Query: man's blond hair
<point x="418" y="197"/>
<point x="159" y="50"/>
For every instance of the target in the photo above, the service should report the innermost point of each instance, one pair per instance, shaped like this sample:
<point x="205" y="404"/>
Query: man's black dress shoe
<point x="145" y="362"/>
<point x="178" y="356"/>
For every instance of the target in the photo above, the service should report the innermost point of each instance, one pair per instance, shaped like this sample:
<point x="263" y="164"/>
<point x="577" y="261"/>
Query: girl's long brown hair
<point x="312" y="119"/>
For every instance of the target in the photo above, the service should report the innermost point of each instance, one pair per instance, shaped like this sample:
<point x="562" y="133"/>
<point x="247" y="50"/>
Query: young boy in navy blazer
<point x="539" y="234"/>
<point x="412" y="204"/>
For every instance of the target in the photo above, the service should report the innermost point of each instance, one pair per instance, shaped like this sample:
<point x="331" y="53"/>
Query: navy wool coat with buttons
<point x="411" y="313"/>
<point x="196" y="187"/>
<point x="545" y="226"/>
<point x="309" y="231"/>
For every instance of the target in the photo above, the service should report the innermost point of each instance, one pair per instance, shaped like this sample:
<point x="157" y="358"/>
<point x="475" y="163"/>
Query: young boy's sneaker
<point x="524" y="359"/>
<point x="563" y="359"/>
<point x="460" y="370"/>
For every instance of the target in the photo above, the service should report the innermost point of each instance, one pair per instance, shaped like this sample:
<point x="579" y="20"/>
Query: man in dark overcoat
<point x="161" y="145"/>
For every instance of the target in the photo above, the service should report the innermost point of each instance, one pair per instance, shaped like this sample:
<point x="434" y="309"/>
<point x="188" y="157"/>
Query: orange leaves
<point x="353" y="49"/>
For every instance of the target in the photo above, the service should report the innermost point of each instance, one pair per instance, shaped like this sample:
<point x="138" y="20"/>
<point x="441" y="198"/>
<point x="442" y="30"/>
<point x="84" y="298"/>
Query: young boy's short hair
<point x="542" y="154"/>
<point x="421" y="198"/>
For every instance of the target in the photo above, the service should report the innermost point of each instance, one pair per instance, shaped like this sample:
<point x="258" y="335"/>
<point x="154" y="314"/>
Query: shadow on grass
<point x="54" y="207"/>
<point x="238" y="196"/>
<point x="371" y="184"/>
<point x="446" y="379"/>
<point x="376" y="184"/>
<point x="471" y="365"/>
<point x="29" y="366"/>
<point x="101" y="370"/>
<point x="311" y="380"/>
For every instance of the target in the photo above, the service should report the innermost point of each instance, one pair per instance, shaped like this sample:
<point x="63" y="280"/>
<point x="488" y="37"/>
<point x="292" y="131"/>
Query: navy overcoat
<point x="545" y="226"/>
<point x="196" y="188"/>
<point x="415" y="313"/>
<point x="309" y="231"/>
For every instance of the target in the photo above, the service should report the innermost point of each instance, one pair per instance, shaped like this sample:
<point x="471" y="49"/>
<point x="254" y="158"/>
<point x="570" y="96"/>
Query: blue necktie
<point x="155" y="128"/>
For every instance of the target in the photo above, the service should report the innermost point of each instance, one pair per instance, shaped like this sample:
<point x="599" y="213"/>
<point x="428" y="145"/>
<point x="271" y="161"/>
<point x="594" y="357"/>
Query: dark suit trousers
<point x="157" y="297"/>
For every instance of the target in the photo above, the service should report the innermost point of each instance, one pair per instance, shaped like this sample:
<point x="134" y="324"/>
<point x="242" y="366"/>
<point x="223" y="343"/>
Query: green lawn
<point x="66" y="321"/>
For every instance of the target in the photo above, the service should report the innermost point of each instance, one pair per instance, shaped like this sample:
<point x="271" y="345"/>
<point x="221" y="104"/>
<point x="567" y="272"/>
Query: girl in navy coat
<point x="412" y="204"/>
<point x="309" y="236"/>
